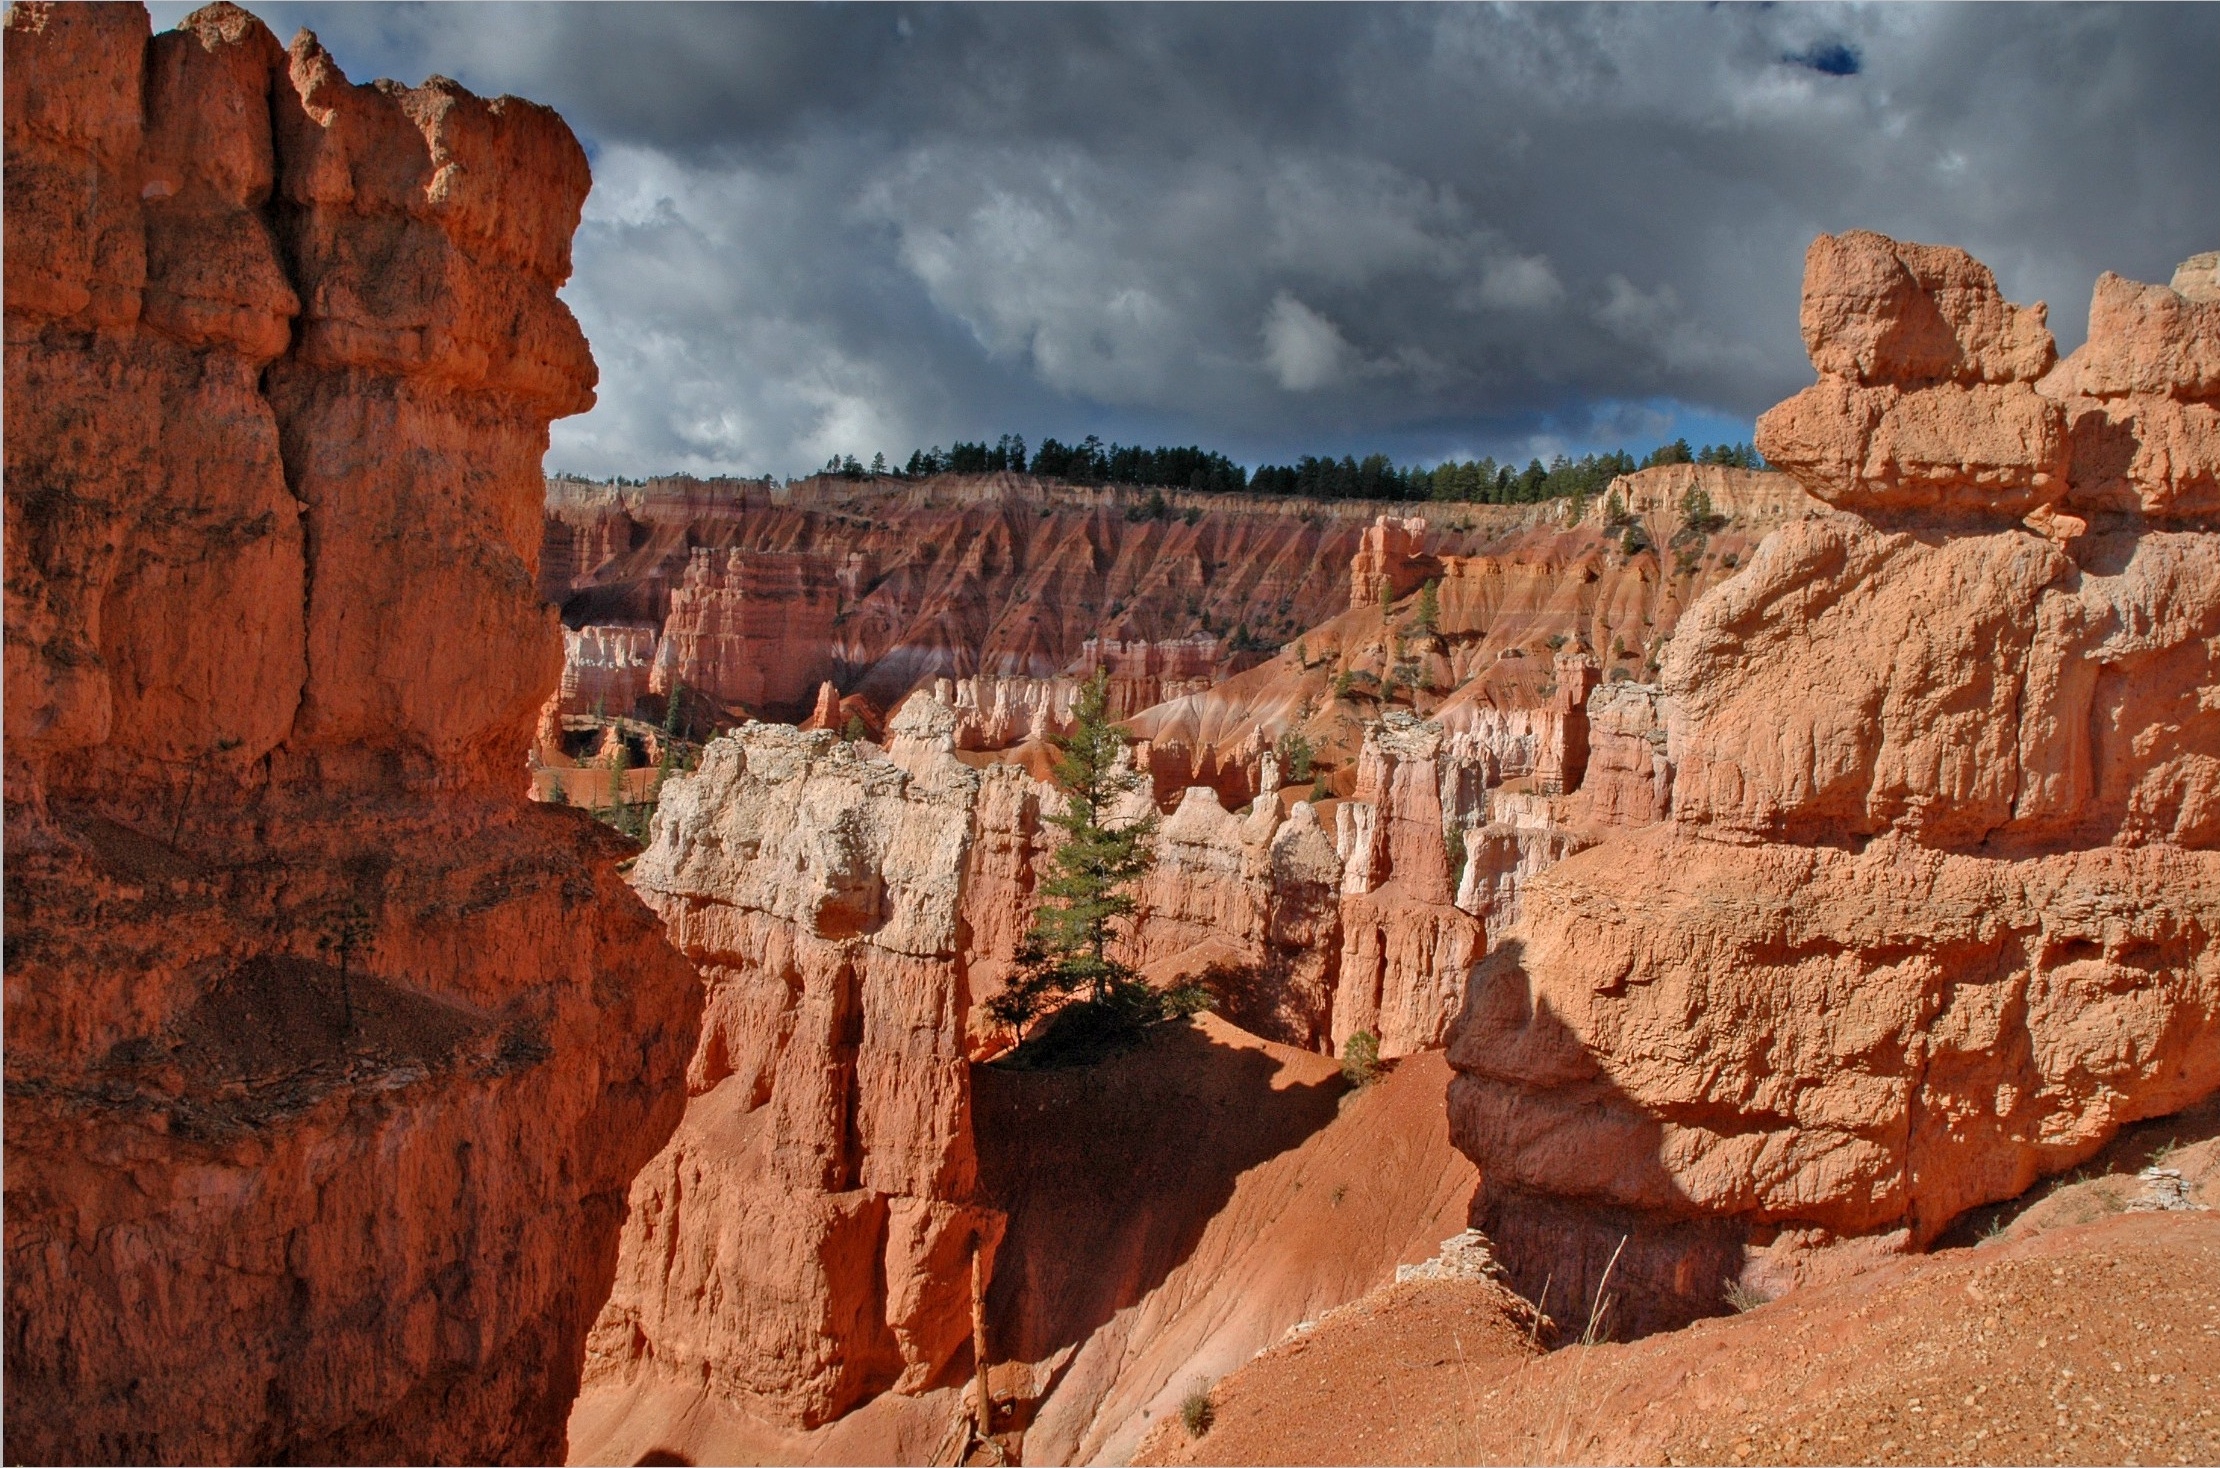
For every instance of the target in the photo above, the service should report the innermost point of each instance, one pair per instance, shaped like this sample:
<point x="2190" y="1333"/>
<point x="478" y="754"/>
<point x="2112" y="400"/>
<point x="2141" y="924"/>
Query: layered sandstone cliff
<point x="756" y="592"/>
<point x="328" y="1057"/>
<point x="1933" y="914"/>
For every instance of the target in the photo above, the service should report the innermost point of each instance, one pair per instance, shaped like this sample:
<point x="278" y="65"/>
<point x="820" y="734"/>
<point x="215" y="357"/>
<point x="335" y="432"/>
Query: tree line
<point x="1375" y="477"/>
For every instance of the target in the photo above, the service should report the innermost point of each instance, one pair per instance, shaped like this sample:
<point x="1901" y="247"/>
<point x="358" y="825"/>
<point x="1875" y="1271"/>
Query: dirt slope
<point x="1178" y="1209"/>
<point x="2091" y="1342"/>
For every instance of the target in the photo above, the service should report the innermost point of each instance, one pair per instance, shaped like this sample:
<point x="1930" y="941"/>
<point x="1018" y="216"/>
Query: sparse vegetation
<point x="1428" y="615"/>
<point x="1297" y="757"/>
<point x="1360" y="1059"/>
<point x="1196" y="1413"/>
<point x="1743" y="1298"/>
<point x="347" y="929"/>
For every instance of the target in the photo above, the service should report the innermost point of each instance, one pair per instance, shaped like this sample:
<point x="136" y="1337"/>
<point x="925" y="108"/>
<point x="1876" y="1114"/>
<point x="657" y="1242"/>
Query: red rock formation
<point x="1926" y="398"/>
<point x="884" y="586"/>
<point x="1390" y="562"/>
<point x="328" y="1057"/>
<point x="1252" y="903"/>
<point x="1934" y="913"/>
<point x="1269" y="1205"/>
<point x="1488" y="666"/>
<point x="606" y="668"/>
<point x="1406" y="946"/>
<point x="804" y="1241"/>
<point x="1142" y="673"/>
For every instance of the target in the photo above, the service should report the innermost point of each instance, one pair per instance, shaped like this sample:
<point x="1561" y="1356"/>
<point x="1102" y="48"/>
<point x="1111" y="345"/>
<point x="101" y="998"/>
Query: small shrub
<point x="1743" y="1298"/>
<point x="1188" y="996"/>
<point x="1360" y="1059"/>
<point x="1196" y="1414"/>
<point x="1456" y="854"/>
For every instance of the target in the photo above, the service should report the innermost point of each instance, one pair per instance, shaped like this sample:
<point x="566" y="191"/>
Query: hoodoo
<point x="1934" y="912"/>
<point x="329" y="1057"/>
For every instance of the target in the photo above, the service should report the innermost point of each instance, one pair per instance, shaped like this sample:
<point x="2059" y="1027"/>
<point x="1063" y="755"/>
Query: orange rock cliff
<point x="329" y="1058"/>
<point x="1934" y="910"/>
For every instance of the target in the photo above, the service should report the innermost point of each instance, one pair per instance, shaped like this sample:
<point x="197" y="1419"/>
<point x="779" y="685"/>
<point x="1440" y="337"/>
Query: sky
<point x="1435" y="231"/>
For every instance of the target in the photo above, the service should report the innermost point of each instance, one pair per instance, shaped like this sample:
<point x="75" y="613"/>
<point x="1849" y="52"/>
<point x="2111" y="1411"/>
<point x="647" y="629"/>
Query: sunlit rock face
<point x="1933" y="913"/>
<point x="329" y="1059"/>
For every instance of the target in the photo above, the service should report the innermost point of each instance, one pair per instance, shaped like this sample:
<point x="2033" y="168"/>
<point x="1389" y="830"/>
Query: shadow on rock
<point x="1109" y="1173"/>
<point x="1554" y="1140"/>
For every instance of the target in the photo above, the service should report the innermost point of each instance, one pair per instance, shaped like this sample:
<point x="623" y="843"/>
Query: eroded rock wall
<point x="329" y="1058"/>
<point x="805" y="1241"/>
<point x="1935" y="910"/>
<point x="763" y="591"/>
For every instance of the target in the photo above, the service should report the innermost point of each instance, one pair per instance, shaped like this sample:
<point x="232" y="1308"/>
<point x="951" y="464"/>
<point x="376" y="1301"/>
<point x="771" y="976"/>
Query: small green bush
<point x="1196" y="1414"/>
<point x="1360" y="1059"/>
<point x="1188" y="996"/>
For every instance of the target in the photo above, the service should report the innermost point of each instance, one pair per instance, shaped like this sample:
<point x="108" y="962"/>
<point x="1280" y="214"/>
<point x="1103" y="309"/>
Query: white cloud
<point x="1304" y="350"/>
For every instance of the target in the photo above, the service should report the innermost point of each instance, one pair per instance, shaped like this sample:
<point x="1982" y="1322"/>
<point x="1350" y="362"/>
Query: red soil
<point x="2093" y="1342"/>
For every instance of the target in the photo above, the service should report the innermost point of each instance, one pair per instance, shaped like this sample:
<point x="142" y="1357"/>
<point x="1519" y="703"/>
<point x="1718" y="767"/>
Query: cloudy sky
<point x="1276" y="230"/>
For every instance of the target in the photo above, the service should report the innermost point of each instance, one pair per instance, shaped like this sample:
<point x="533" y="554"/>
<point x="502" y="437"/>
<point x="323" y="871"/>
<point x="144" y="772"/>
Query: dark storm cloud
<point x="1275" y="229"/>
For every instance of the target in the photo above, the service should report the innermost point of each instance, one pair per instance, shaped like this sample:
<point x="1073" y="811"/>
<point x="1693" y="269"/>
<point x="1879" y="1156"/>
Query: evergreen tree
<point x="1093" y="874"/>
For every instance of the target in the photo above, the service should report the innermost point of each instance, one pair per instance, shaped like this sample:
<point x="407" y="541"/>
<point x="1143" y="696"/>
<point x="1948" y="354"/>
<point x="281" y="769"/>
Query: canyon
<point x="1747" y="881"/>
<point x="1885" y="894"/>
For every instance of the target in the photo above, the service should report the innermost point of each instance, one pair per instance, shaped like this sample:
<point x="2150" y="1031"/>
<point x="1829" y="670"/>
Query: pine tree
<point x="1093" y="874"/>
<point x="1429" y="610"/>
